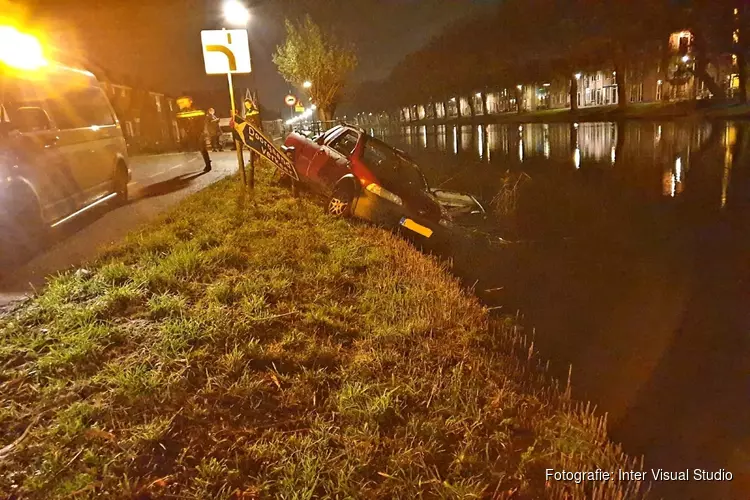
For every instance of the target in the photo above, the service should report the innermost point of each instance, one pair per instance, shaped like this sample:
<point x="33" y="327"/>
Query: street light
<point x="685" y="59"/>
<point x="236" y="13"/>
<point x="307" y="84"/>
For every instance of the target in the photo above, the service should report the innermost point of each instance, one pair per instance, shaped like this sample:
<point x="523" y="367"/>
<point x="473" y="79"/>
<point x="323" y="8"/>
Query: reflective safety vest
<point x="193" y="113"/>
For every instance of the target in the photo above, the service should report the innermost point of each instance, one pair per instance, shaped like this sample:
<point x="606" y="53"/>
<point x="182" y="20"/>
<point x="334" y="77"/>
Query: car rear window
<point x="390" y="167"/>
<point x="345" y="143"/>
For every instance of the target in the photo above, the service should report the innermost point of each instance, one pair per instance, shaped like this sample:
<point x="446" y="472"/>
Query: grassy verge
<point x="247" y="347"/>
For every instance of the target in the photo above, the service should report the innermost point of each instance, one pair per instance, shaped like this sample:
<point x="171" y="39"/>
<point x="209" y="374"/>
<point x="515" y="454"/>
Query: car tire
<point x="341" y="201"/>
<point x="121" y="181"/>
<point x="24" y="233"/>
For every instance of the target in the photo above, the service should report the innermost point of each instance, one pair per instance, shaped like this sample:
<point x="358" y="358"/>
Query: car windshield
<point x="392" y="166"/>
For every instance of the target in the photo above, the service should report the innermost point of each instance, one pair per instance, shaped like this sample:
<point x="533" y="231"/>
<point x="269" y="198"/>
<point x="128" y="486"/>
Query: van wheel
<point x="121" y="186"/>
<point x="24" y="233"/>
<point x="340" y="203"/>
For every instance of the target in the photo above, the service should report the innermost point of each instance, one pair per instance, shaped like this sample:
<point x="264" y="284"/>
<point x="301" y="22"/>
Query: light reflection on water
<point x="659" y="151"/>
<point x="635" y="271"/>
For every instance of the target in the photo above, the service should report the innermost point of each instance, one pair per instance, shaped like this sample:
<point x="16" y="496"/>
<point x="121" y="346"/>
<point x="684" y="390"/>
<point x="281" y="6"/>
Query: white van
<point x="62" y="152"/>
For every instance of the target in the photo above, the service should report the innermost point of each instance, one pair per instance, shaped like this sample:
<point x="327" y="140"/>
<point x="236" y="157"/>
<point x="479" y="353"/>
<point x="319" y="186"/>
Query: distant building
<point x="666" y="71"/>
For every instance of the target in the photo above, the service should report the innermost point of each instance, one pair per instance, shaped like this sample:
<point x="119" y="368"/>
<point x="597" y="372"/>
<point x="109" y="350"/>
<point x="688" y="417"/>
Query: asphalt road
<point x="158" y="182"/>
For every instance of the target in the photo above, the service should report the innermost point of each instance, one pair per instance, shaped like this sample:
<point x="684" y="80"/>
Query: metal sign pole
<point x="237" y="144"/>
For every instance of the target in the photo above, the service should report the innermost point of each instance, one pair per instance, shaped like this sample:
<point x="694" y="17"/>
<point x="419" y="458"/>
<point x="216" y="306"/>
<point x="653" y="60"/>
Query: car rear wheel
<point x="340" y="203"/>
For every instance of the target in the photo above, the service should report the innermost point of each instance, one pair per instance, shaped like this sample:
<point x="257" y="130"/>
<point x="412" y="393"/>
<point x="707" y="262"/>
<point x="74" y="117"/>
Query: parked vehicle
<point x="62" y="152"/>
<point x="364" y="177"/>
<point x="226" y="140"/>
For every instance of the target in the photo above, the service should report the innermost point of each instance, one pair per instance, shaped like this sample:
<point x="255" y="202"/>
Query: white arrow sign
<point x="225" y="51"/>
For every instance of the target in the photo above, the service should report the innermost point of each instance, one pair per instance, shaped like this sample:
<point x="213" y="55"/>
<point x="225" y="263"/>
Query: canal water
<point x="626" y="248"/>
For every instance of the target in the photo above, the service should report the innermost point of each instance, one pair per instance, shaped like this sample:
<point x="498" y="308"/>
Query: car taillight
<point x="384" y="193"/>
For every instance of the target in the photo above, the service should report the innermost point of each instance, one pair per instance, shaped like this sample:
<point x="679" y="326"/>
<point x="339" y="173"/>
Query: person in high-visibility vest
<point x="252" y="115"/>
<point x="193" y="126"/>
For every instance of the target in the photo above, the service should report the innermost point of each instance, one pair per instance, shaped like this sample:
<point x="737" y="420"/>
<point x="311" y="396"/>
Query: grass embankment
<point x="254" y="347"/>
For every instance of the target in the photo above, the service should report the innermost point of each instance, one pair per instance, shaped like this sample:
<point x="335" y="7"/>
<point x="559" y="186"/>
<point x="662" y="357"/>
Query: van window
<point x="14" y="97"/>
<point x="81" y="108"/>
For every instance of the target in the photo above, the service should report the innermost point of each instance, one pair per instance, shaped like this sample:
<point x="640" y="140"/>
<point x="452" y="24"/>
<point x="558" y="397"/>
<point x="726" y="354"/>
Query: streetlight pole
<point x="236" y="13"/>
<point x="237" y="144"/>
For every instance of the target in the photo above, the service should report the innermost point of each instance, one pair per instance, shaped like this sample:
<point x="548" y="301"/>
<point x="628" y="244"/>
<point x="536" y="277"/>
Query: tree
<point x="309" y="54"/>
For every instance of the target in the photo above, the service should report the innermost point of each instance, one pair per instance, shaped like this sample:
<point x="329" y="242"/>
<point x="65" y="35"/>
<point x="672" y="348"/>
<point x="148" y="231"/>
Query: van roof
<point x="57" y="73"/>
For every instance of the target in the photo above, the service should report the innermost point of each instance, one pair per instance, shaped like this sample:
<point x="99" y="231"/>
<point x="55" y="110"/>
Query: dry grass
<point x="254" y="347"/>
<point x="505" y="202"/>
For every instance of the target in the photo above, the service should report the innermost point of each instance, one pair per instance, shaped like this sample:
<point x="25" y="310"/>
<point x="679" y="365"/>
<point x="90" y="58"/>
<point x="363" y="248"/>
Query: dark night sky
<point x="158" y="41"/>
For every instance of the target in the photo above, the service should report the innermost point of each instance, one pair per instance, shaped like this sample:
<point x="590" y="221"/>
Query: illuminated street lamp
<point x="578" y="76"/>
<point x="235" y="13"/>
<point x="685" y="58"/>
<point x="307" y="84"/>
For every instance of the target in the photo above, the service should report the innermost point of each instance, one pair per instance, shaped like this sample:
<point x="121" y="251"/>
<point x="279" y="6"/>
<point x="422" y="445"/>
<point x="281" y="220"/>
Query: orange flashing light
<point x="20" y="50"/>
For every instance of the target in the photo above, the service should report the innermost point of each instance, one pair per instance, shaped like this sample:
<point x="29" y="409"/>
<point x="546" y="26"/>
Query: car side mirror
<point x="31" y="119"/>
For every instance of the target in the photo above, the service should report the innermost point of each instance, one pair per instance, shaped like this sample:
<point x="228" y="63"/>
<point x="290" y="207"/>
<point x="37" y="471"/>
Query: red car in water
<point x="364" y="177"/>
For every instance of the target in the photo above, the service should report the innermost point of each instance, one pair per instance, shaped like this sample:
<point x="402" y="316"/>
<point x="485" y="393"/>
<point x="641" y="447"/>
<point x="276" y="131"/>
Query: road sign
<point x="290" y="100"/>
<point x="299" y="108"/>
<point x="225" y="51"/>
<point x="255" y="140"/>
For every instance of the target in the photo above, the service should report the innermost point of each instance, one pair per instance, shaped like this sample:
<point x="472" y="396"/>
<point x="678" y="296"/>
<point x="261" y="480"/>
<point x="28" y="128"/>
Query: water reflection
<point x="730" y="139"/>
<point x="441" y="140"/>
<point x="657" y="154"/>
<point x="633" y="270"/>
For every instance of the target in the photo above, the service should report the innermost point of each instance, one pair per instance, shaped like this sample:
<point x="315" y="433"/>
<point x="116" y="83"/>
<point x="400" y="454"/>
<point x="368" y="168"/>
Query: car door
<point x="317" y="155"/>
<point x="44" y="166"/>
<point x="336" y="154"/>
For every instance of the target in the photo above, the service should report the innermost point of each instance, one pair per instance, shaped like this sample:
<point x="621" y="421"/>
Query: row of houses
<point x="148" y="118"/>
<point x="671" y="78"/>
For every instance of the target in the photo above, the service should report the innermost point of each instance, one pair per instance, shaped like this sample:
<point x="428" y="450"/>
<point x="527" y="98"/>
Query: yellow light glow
<point x="20" y="50"/>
